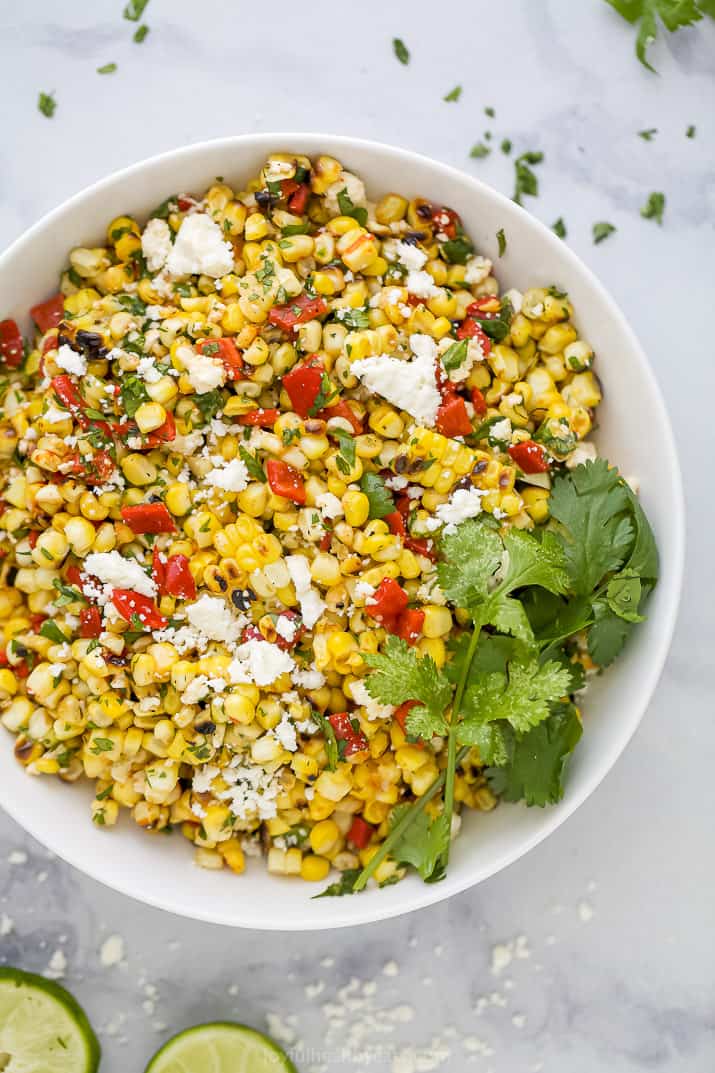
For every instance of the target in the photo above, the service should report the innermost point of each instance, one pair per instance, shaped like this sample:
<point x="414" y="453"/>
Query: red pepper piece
<point x="66" y="391"/>
<point x="163" y="434"/>
<point x="344" y="410"/>
<point x="73" y="575"/>
<point x="530" y="457"/>
<point x="36" y="621"/>
<point x="49" y="314"/>
<point x="325" y="540"/>
<point x="178" y="579"/>
<point x="409" y="625"/>
<point x="355" y="740"/>
<point x="396" y="523"/>
<point x="400" y="716"/>
<point x="285" y="481"/>
<point x="289" y="643"/>
<point x="129" y="603"/>
<point x="302" y="384"/>
<point x="90" y="622"/>
<point x="360" y="832"/>
<point x="421" y="547"/>
<point x="184" y="202"/>
<point x="452" y="417"/>
<point x="469" y="329"/>
<point x="298" y="311"/>
<point x="479" y="402"/>
<point x="32" y="537"/>
<point x="227" y="353"/>
<point x="148" y="518"/>
<point x="4" y="661"/>
<point x="12" y="347"/>
<point x="387" y="602"/>
<point x="261" y="418"/>
<point x="95" y="470"/>
<point x="297" y="195"/>
<point x="446" y="220"/>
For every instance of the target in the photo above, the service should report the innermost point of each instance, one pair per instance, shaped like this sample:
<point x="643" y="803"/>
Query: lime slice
<point x="42" y="1028"/>
<point x="220" y="1047"/>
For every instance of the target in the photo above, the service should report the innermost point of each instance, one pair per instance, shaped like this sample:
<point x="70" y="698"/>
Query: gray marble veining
<point x="616" y="908"/>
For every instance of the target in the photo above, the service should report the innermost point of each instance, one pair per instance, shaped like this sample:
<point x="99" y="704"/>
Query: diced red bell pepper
<point x="409" y="625"/>
<point x="401" y="714"/>
<point x="158" y="569"/>
<point x="360" y="832"/>
<point x="297" y="195"/>
<point x="163" y="434"/>
<point x="261" y="418"/>
<point x="49" y="314"/>
<point x="50" y="342"/>
<point x="479" y="402"/>
<point x="12" y="347"/>
<point x="178" y="579"/>
<point x="325" y="540"/>
<point x="227" y="353"/>
<point x="344" y="410"/>
<point x="32" y="537"/>
<point x="298" y="311"/>
<point x="66" y="391"/>
<point x="73" y="575"/>
<point x="387" y="602"/>
<point x="302" y="385"/>
<point x="185" y="202"/>
<point x="530" y="457"/>
<point x="148" y="518"/>
<point x="396" y="523"/>
<point x="285" y="481"/>
<point x="90" y="622"/>
<point x="469" y="329"/>
<point x="421" y="547"/>
<point x="95" y="470"/>
<point x="452" y="417"/>
<point x="355" y="740"/>
<point x="36" y="621"/>
<point x="129" y="604"/>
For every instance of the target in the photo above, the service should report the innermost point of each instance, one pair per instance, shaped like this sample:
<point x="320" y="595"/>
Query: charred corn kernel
<point x="150" y="416"/>
<point x="390" y="209"/>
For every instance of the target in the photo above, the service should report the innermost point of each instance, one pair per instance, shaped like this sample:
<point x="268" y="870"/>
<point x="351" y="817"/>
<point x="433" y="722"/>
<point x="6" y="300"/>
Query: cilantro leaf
<point x="401" y="50"/>
<point x="534" y="562"/>
<point x="347" y="208"/>
<point x="501" y="239"/>
<point x="479" y="151"/>
<point x="133" y="393"/>
<point x="536" y="766"/>
<point x="399" y="675"/>
<point x="209" y="403"/>
<point x="590" y="503"/>
<point x="134" y="10"/>
<point x="107" y="69"/>
<point x="673" y="13"/>
<point x="607" y="635"/>
<point x="346" y="442"/>
<point x="422" y="843"/>
<point x="455" y="355"/>
<point x="51" y="630"/>
<point x="525" y="181"/>
<point x="454" y="94"/>
<point x="602" y="230"/>
<point x="559" y="227"/>
<point x="378" y="494"/>
<point x="623" y="595"/>
<point x="46" y="103"/>
<point x="654" y="207"/>
<point x="332" y="750"/>
<point x="254" y="467"/>
<point x="522" y="696"/>
<point x="343" y="885"/>
<point x="470" y="557"/>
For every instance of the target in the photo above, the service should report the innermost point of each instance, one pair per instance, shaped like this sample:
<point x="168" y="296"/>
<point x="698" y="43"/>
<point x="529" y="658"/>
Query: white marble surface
<point x="617" y="906"/>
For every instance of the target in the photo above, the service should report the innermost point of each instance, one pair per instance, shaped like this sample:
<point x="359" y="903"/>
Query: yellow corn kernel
<point x="314" y="869"/>
<point x="324" y="837"/>
<point x="357" y="508"/>
<point x="149" y="416"/>
<point x="233" y="855"/>
<point x="256" y="227"/>
<point x="333" y="785"/>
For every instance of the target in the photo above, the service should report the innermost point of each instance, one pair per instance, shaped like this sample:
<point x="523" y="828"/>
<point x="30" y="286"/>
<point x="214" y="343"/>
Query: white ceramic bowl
<point x="634" y="432"/>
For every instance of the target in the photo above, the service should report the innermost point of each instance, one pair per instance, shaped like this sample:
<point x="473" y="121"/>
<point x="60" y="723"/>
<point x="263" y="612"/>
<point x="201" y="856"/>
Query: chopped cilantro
<point x="654" y="207"/>
<point x="140" y="33"/>
<point x="401" y="51"/>
<point x="649" y="134"/>
<point x="378" y="494"/>
<point x="559" y="227"/>
<point x="479" y="151"/>
<point x="690" y="132"/>
<point x="347" y="208"/>
<point x="506" y="146"/>
<point x="501" y="239"/>
<point x="454" y="94"/>
<point x="47" y="104"/>
<point x="602" y="230"/>
<point x="254" y="467"/>
<point x="135" y="9"/>
<point x="107" y="69"/>
<point x="525" y="181"/>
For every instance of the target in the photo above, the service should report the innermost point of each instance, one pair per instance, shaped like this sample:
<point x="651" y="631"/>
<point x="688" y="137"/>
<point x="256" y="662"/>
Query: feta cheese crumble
<point x="113" y="569"/>
<point x="231" y="476"/>
<point x="156" y="244"/>
<point x="204" y="372"/>
<point x="210" y="616"/>
<point x="412" y="386"/>
<point x="311" y="604"/>
<point x="200" y="249"/>
<point x="71" y="361"/>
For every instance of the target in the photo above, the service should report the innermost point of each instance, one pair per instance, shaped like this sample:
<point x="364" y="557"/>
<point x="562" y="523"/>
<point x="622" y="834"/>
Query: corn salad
<point x="226" y="454"/>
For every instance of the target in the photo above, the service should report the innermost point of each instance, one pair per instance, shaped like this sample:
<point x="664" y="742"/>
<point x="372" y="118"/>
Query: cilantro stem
<point x="452" y="738"/>
<point x="397" y="832"/>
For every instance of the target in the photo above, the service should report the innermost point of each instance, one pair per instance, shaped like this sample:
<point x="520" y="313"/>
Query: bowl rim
<point x="423" y="895"/>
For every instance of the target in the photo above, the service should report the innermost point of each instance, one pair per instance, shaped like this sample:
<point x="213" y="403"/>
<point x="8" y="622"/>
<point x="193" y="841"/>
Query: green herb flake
<point x="525" y="180"/>
<point x="347" y="208"/>
<point x="602" y="230"/>
<point x="254" y="467"/>
<point x="649" y="134"/>
<point x="379" y="496"/>
<point x="401" y="50"/>
<point x="454" y="94"/>
<point x="52" y="631"/>
<point x="559" y="227"/>
<point x="506" y="146"/>
<point x="654" y="207"/>
<point x="140" y="33"/>
<point x="691" y="131"/>
<point x="47" y="104"/>
<point x="490" y="112"/>
<point x="135" y="9"/>
<point x="479" y="151"/>
<point x="107" y="69"/>
<point x="501" y="239"/>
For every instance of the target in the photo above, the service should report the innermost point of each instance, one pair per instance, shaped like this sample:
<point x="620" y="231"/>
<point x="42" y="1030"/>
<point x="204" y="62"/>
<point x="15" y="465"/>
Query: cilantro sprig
<point x="503" y="699"/>
<point x="648" y="14"/>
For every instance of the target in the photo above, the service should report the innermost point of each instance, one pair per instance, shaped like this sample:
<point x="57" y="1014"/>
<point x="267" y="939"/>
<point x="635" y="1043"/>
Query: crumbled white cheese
<point x="411" y="386"/>
<point x="148" y="371"/>
<point x="200" y="249"/>
<point x="412" y="257"/>
<point x="515" y="297"/>
<point x="286" y="627"/>
<point x="373" y="708"/>
<point x="187" y="444"/>
<point x="363" y="591"/>
<point x="501" y="430"/>
<point x="311" y="604"/>
<point x="113" y="569"/>
<point x="251" y="792"/>
<point x="111" y="951"/>
<point x="309" y="679"/>
<point x="53" y="415"/>
<point x="203" y="778"/>
<point x="476" y="270"/>
<point x="213" y="619"/>
<point x="204" y="372"/>
<point x="196" y="690"/>
<point x="285" y="733"/>
<point x="329" y="505"/>
<point x="422" y="285"/>
<point x="69" y="359"/>
<point x="259" y="662"/>
<point x="156" y="244"/>
<point x="231" y="476"/>
<point x="464" y="503"/>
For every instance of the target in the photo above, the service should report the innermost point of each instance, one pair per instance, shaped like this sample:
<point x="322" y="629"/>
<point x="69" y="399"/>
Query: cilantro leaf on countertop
<point x="559" y="227"/>
<point x="674" y="14"/>
<point x="399" y="674"/>
<point x="378" y="494"/>
<point x="46" y="103"/>
<point x="602" y="230"/>
<point x="649" y="134"/>
<point x="525" y="180"/>
<point x="534" y="772"/>
<point x="401" y="50"/>
<point x="654" y="207"/>
<point x="422" y="843"/>
<point x="479" y="150"/>
<point x="454" y="94"/>
<point x="135" y="9"/>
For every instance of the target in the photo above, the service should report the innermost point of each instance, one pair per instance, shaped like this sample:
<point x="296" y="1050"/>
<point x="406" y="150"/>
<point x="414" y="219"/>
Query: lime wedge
<point x="42" y="1028"/>
<point x="220" y="1047"/>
